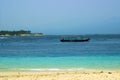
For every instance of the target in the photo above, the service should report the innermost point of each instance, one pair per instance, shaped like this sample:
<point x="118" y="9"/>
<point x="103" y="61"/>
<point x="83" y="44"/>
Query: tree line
<point x="14" y="32"/>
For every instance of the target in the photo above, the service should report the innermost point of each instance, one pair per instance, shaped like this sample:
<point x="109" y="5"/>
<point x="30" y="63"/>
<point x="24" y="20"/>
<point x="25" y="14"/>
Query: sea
<point x="47" y="53"/>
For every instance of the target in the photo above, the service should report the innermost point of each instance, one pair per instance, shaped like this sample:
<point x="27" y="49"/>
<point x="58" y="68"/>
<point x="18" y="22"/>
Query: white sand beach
<point x="74" y="75"/>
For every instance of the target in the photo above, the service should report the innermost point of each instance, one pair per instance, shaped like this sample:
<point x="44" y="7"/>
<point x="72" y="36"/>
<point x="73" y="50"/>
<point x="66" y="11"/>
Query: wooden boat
<point x="75" y="40"/>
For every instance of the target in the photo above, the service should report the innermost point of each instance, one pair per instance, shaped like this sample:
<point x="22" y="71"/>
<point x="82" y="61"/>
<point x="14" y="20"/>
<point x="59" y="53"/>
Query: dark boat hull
<point x="84" y="40"/>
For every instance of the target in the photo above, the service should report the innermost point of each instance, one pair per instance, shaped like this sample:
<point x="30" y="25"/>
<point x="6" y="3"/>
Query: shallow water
<point x="47" y="52"/>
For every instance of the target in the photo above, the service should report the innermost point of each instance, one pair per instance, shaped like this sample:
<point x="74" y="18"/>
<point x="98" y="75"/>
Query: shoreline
<point x="52" y="69"/>
<point x="65" y="75"/>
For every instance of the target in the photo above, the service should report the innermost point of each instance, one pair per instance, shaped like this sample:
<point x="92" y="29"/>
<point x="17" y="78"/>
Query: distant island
<point x="19" y="33"/>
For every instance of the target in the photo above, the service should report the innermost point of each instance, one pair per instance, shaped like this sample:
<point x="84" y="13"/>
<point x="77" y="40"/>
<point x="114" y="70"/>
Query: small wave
<point x="45" y="69"/>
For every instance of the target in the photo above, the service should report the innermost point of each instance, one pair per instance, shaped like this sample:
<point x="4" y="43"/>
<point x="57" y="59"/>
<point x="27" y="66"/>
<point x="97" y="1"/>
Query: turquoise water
<point x="48" y="53"/>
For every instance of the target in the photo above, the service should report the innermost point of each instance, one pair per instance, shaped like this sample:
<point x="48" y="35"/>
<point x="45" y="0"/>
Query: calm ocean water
<point x="48" y="53"/>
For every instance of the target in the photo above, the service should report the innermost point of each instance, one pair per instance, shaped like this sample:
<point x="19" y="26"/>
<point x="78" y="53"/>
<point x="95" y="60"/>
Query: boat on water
<point x="75" y="39"/>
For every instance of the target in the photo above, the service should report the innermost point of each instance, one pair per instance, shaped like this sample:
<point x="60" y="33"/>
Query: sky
<point x="61" y="16"/>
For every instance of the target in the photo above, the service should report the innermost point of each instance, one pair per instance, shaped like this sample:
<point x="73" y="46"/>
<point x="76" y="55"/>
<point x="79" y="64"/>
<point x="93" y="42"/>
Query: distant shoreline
<point x="33" y="34"/>
<point x="19" y="33"/>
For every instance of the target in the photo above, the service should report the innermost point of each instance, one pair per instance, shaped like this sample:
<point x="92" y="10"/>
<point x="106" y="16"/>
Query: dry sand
<point x="74" y="75"/>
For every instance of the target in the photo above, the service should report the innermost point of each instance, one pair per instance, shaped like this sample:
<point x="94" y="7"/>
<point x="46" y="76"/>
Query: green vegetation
<point x="19" y="33"/>
<point x="13" y="33"/>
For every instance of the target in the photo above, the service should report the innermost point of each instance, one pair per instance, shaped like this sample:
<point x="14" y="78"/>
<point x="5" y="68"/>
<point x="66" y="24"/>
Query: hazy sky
<point x="61" y="16"/>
